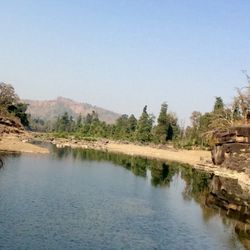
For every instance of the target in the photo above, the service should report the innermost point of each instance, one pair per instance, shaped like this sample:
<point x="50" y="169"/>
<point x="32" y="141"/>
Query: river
<point x="85" y="199"/>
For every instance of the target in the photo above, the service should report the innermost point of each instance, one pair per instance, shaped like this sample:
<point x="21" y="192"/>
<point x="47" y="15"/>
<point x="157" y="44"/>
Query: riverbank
<point x="191" y="157"/>
<point x="197" y="159"/>
<point x="18" y="143"/>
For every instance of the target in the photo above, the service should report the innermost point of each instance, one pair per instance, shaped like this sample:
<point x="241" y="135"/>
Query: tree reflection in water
<point x="1" y="162"/>
<point x="197" y="186"/>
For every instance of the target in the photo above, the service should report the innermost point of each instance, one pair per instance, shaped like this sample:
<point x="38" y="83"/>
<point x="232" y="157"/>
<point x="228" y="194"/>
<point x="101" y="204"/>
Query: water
<point x="76" y="199"/>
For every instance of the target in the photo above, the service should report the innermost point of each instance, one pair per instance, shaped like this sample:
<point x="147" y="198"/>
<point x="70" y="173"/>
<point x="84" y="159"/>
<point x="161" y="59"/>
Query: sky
<point x="124" y="54"/>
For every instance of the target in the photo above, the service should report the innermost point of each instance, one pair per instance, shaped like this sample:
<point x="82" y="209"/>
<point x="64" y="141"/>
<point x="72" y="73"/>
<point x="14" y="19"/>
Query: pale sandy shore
<point x="19" y="143"/>
<point x="14" y="143"/>
<point x="191" y="157"/>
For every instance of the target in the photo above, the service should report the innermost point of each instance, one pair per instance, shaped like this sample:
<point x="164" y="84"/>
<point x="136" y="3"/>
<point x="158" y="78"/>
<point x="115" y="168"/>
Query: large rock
<point x="232" y="148"/>
<point x="10" y="125"/>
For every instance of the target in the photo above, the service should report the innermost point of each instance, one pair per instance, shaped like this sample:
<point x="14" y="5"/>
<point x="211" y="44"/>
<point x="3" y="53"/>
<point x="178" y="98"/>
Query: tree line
<point x="165" y="129"/>
<point x="147" y="129"/>
<point x="126" y="127"/>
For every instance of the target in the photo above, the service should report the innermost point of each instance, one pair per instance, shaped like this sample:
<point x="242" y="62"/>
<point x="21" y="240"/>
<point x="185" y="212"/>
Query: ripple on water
<point x="76" y="204"/>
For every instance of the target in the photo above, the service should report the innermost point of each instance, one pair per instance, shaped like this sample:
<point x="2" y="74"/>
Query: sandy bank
<point x="191" y="157"/>
<point x="14" y="143"/>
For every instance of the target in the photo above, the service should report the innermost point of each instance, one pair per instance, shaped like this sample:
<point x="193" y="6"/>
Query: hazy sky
<point x="123" y="54"/>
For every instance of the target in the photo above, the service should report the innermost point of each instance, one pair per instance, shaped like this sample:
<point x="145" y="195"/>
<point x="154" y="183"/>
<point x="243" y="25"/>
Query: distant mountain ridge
<point x="50" y="109"/>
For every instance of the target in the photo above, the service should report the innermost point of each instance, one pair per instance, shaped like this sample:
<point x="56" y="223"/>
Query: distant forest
<point x="165" y="129"/>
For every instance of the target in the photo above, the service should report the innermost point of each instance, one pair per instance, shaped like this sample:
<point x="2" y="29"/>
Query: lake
<point x="85" y="199"/>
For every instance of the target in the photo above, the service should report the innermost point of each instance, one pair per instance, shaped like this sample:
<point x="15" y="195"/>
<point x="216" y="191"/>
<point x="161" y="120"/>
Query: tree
<point x="122" y="127"/>
<point x="132" y="121"/>
<point x="242" y="102"/>
<point x="221" y="117"/>
<point x="144" y="127"/>
<point x="19" y="110"/>
<point x="193" y="131"/>
<point x="79" y="122"/>
<point x="7" y="95"/>
<point x="64" y="123"/>
<point x="161" y="130"/>
<point x="219" y="104"/>
<point x="173" y="130"/>
<point x="91" y="122"/>
<point x="93" y="117"/>
<point x="9" y="102"/>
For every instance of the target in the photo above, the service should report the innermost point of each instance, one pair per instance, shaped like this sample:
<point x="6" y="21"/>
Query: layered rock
<point x="232" y="149"/>
<point x="10" y="125"/>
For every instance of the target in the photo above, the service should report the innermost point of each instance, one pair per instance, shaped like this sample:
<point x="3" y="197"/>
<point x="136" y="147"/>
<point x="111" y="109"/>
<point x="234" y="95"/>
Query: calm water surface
<point x="76" y="199"/>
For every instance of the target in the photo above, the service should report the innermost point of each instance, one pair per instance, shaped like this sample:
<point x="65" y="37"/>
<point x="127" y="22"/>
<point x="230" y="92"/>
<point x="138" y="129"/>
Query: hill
<point x="50" y="109"/>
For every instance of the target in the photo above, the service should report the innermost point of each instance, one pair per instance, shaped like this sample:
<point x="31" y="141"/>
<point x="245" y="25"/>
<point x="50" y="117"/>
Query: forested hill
<point x="47" y="110"/>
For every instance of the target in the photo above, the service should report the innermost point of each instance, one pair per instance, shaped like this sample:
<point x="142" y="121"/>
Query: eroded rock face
<point x="9" y="125"/>
<point x="227" y="194"/>
<point x="232" y="149"/>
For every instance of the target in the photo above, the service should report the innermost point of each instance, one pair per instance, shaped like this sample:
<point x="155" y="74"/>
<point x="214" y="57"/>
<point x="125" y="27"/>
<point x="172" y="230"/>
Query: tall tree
<point x="173" y="130"/>
<point x="221" y="116"/>
<point x="219" y="104"/>
<point x="79" y="122"/>
<point x="7" y="95"/>
<point x="144" y="127"/>
<point x="132" y="121"/>
<point x="161" y="130"/>
<point x="122" y="127"/>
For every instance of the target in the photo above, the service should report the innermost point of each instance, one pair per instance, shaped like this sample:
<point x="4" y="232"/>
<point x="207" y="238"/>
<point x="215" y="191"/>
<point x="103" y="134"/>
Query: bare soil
<point x="19" y="143"/>
<point x="191" y="157"/>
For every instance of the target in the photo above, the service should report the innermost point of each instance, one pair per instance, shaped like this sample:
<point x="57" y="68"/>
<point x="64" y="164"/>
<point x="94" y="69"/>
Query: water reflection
<point x="197" y="188"/>
<point x="4" y="156"/>
<point x="161" y="174"/>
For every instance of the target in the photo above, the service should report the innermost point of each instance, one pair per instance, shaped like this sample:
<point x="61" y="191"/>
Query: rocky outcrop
<point x="10" y="125"/>
<point x="232" y="149"/>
